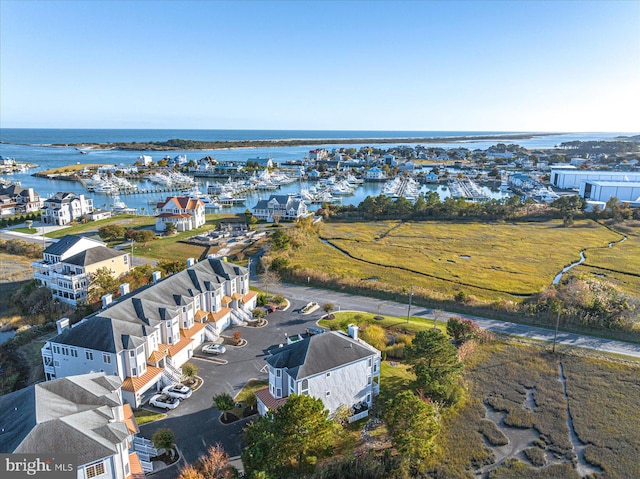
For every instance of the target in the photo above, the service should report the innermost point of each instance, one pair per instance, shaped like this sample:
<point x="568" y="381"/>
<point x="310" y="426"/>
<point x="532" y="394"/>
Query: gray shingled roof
<point x="62" y="245"/>
<point x="318" y="353"/>
<point x="69" y="416"/>
<point x="287" y="200"/>
<point x="93" y="256"/>
<point x="112" y="329"/>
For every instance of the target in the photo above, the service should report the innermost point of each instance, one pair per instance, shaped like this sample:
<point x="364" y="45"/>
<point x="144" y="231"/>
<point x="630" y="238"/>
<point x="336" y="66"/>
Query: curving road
<point x="344" y="302"/>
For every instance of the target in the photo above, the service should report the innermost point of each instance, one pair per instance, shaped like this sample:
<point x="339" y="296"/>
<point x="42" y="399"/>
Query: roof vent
<point x="62" y="324"/>
<point x="156" y="276"/>
<point x="124" y="289"/>
<point x="353" y="331"/>
<point x="190" y="262"/>
<point x="107" y="299"/>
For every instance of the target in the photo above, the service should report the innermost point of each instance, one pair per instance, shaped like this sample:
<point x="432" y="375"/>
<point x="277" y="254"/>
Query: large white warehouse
<point x="568" y="179"/>
<point x="604" y="190"/>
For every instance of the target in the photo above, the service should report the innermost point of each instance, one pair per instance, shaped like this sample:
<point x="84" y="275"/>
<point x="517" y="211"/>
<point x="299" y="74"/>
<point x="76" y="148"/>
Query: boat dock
<point x="467" y="189"/>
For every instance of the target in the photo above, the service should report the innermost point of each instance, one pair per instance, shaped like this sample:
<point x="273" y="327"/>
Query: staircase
<point x="210" y="332"/>
<point x="171" y="374"/>
<point x="239" y="318"/>
<point x="146" y="450"/>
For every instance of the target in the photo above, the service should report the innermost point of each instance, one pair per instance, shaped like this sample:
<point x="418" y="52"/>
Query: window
<point x="278" y="392"/>
<point x="132" y="354"/>
<point x="134" y="372"/>
<point x="74" y="353"/>
<point x="369" y="362"/>
<point x="304" y="388"/>
<point x="94" y="470"/>
<point x="65" y="351"/>
<point x="89" y="355"/>
<point x="368" y="398"/>
<point x="278" y="373"/>
<point x="375" y="367"/>
<point x="56" y="363"/>
<point x="106" y="359"/>
<point x="56" y="349"/>
<point x="368" y="379"/>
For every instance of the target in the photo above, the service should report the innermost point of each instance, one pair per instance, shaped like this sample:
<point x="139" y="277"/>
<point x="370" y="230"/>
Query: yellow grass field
<point x="490" y="261"/>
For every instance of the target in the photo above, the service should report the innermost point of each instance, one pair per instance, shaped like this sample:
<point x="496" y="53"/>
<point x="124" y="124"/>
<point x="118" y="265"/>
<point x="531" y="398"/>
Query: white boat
<point x="120" y="207"/>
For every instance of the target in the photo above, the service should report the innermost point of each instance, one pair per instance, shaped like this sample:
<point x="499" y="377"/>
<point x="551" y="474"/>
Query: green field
<point x="619" y="264"/>
<point x="489" y="261"/>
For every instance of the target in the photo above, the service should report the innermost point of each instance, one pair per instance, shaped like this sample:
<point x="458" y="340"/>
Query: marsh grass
<point x="492" y="432"/>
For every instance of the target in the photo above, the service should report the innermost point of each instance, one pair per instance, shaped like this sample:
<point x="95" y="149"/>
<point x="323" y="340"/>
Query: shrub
<point x="492" y="432"/>
<point x="395" y="352"/>
<point x="536" y="456"/>
<point x="236" y="337"/>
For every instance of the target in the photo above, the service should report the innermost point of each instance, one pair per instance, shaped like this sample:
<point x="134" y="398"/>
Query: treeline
<point x="18" y="219"/>
<point x="429" y="206"/>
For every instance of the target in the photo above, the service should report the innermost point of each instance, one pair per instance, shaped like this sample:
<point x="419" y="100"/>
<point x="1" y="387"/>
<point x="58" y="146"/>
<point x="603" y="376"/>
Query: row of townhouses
<point x="82" y="415"/>
<point x="144" y="337"/>
<point x="15" y="200"/>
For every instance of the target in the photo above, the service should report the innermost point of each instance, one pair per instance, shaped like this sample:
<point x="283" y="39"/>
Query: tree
<point x="110" y="232"/>
<point x="101" y="282"/>
<point x="280" y="240"/>
<point x="269" y="278"/>
<point x="190" y="472"/>
<point x="170" y="229"/>
<point x="164" y="439"/>
<point x="375" y="336"/>
<point x="413" y="425"/>
<point x="215" y="464"/>
<point x="327" y="307"/>
<point x="169" y="267"/>
<point x="435" y="363"/>
<point x="225" y="403"/>
<point x="289" y="440"/>
<point x="189" y="370"/>
<point x="462" y="329"/>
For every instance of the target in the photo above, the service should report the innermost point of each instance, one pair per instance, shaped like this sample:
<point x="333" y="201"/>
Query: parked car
<point x="312" y="331"/>
<point x="214" y="349"/>
<point x="179" y="391"/>
<point x="269" y="308"/>
<point x="164" y="401"/>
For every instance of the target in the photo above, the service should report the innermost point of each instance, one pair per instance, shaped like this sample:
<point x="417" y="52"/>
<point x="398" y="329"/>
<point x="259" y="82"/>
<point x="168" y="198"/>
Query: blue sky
<point x="481" y="66"/>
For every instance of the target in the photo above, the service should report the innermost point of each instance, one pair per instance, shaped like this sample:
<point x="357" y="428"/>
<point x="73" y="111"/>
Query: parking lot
<point x="195" y="421"/>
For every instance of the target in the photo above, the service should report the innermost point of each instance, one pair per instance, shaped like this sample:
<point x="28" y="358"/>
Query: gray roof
<point x="287" y="200"/>
<point x="319" y="353"/>
<point x="123" y="323"/>
<point x="93" y="256"/>
<point x="68" y="416"/>
<point x="61" y="246"/>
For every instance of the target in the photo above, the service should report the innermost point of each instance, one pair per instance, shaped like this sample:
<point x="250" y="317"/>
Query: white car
<point x="179" y="391"/>
<point x="214" y="349"/>
<point x="164" y="402"/>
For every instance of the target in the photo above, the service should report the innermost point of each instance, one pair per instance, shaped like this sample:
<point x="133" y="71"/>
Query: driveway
<point x="196" y="421"/>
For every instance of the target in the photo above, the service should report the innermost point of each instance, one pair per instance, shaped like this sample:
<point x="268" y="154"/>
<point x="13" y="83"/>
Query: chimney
<point x="124" y="289"/>
<point x="353" y="331"/>
<point x="106" y="300"/>
<point x="211" y="256"/>
<point x="62" y="324"/>
<point x="156" y="276"/>
<point x="190" y="262"/>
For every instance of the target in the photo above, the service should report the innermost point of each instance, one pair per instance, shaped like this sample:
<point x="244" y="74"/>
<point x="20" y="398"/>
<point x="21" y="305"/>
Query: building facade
<point x="338" y="369"/>
<point x="146" y="336"/>
<point x="82" y="415"/>
<point x="185" y="213"/>
<point x="69" y="264"/>
<point x="63" y="208"/>
<point x="15" y="200"/>
<point x="280" y="207"/>
<point x="572" y="178"/>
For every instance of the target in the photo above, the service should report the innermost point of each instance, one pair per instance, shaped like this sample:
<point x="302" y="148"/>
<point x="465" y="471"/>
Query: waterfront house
<point x="431" y="177"/>
<point x="375" y="174"/>
<point x="21" y="200"/>
<point x="280" y="207"/>
<point x="572" y="178"/>
<point x="80" y="415"/>
<point x="145" y="337"/>
<point x="63" y="208"/>
<point x="68" y="265"/>
<point x="262" y="162"/>
<point x="338" y="369"/>
<point x="144" y="160"/>
<point x="185" y="213"/>
<point x="318" y="154"/>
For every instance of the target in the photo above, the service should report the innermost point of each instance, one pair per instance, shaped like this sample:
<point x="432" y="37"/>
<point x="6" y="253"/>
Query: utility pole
<point x="410" y="298"/>
<point x="555" y="336"/>
<point x="132" y="252"/>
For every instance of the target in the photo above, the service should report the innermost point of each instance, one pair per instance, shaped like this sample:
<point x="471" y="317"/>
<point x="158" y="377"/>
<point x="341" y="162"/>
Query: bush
<point x="492" y="432"/>
<point x="236" y="337"/>
<point x="536" y="456"/>
<point x="395" y="352"/>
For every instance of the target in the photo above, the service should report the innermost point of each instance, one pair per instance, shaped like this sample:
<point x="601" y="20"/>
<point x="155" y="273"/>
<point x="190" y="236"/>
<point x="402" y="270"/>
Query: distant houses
<point x="80" y="415"/>
<point x="375" y="174"/>
<point x="15" y="200"/>
<point x="280" y="207"/>
<point x="63" y="208"/>
<point x="67" y="266"/>
<point x="185" y="213"/>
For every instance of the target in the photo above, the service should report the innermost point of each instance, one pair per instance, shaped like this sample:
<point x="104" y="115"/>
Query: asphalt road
<point x="196" y="421"/>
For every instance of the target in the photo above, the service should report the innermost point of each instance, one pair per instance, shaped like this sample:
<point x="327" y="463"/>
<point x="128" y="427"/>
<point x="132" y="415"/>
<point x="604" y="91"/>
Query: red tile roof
<point x="268" y="400"/>
<point x="249" y="296"/>
<point x="130" y="420"/>
<point x="152" y="374"/>
<point x="193" y="330"/>
<point x="226" y="299"/>
<point x="136" y="471"/>
<point x="218" y="315"/>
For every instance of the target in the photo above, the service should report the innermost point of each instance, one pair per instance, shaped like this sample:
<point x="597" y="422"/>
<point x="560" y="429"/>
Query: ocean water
<point x="25" y="145"/>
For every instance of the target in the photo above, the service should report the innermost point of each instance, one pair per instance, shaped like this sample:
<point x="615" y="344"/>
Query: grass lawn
<point x="128" y="221"/>
<point x="29" y="231"/>
<point x="393" y="380"/>
<point x="251" y="387"/>
<point x="391" y="323"/>
<point x="143" y="416"/>
<point x="68" y="169"/>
